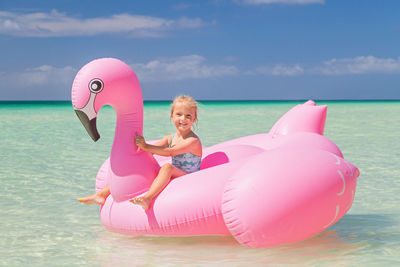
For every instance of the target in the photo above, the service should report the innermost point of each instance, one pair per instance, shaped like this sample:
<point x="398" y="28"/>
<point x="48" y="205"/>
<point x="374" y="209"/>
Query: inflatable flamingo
<point x="265" y="190"/>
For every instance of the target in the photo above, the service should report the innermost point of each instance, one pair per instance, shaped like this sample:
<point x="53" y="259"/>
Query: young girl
<point x="184" y="147"/>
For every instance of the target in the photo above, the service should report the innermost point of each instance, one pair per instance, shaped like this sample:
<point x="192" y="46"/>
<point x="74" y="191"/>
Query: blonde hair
<point x="188" y="101"/>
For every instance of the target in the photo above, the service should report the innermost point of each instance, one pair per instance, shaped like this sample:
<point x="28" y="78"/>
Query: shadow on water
<point x="340" y="244"/>
<point x="360" y="225"/>
<point x="371" y="230"/>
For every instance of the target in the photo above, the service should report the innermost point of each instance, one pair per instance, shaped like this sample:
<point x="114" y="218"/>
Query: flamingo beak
<point x="89" y="124"/>
<point x="87" y="115"/>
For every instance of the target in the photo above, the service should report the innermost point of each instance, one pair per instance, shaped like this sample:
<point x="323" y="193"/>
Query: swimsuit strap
<point x="170" y="144"/>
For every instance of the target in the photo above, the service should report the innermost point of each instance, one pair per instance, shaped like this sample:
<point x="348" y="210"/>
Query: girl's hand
<point x="140" y="142"/>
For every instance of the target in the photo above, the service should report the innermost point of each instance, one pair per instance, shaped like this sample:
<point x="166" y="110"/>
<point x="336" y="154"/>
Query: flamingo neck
<point x="131" y="171"/>
<point x="124" y="149"/>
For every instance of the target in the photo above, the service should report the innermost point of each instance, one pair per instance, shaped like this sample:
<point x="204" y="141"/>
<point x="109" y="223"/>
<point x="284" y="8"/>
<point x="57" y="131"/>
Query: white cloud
<point x="55" y="24"/>
<point x="181" y="68"/>
<point x="169" y="69"/>
<point x="359" y="65"/>
<point x="278" y="70"/>
<point x="43" y="76"/>
<point x="196" y="67"/>
<point x="341" y="66"/>
<point x="293" y="2"/>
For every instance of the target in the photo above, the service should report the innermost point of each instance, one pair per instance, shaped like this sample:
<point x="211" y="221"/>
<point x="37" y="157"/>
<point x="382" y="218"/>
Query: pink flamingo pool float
<point x="265" y="189"/>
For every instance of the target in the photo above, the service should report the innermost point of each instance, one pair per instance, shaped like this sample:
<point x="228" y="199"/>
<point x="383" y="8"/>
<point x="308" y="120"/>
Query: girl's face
<point x="183" y="116"/>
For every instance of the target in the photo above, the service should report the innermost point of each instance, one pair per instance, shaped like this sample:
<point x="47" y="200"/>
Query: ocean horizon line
<point x="52" y="102"/>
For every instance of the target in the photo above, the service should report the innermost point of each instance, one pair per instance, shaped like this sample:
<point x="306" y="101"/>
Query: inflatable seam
<point x="109" y="213"/>
<point x="164" y="228"/>
<point x="233" y="224"/>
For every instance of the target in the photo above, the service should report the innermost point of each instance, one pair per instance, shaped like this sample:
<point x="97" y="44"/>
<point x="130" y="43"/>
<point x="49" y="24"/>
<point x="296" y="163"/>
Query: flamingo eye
<point x="96" y="85"/>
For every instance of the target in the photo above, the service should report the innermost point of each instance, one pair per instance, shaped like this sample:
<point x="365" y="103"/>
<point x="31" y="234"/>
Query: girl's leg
<point x="165" y="174"/>
<point x="98" y="198"/>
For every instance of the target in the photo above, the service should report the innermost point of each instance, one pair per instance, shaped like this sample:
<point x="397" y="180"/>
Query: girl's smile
<point x="183" y="117"/>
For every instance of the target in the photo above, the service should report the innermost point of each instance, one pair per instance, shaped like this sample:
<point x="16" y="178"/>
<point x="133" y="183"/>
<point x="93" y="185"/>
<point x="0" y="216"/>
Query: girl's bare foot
<point x="93" y="199"/>
<point x="142" y="201"/>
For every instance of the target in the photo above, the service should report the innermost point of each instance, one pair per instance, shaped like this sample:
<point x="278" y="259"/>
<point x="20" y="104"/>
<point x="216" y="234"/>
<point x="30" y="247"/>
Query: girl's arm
<point x="182" y="147"/>
<point x="162" y="142"/>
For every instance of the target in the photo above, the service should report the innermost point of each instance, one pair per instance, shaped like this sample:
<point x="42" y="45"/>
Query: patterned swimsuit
<point x="187" y="162"/>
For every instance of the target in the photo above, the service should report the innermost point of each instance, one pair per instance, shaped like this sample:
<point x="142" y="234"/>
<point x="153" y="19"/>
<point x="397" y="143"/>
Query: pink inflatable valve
<point x="265" y="189"/>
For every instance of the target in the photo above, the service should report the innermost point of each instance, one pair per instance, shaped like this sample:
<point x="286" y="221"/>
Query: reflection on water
<point x="327" y="247"/>
<point x="338" y="245"/>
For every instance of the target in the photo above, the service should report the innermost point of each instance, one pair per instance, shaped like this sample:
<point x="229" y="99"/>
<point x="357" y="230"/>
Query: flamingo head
<point x="105" y="81"/>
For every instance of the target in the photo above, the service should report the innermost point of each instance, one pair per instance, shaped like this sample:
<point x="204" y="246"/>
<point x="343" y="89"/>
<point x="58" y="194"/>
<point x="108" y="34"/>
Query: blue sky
<point x="217" y="49"/>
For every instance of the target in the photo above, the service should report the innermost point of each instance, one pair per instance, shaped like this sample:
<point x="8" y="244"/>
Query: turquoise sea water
<point x="47" y="161"/>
